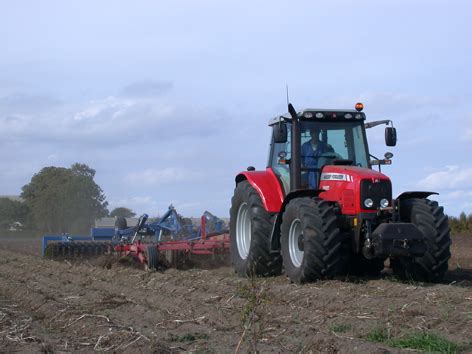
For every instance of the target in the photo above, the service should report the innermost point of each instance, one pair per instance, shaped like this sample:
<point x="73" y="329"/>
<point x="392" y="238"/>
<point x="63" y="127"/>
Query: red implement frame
<point x="206" y="244"/>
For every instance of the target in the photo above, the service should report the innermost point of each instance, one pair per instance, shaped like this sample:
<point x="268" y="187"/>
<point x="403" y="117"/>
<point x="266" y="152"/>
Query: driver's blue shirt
<point x="310" y="159"/>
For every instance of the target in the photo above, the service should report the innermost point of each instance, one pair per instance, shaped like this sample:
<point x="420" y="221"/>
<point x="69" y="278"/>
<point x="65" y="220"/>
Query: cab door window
<point x="279" y="161"/>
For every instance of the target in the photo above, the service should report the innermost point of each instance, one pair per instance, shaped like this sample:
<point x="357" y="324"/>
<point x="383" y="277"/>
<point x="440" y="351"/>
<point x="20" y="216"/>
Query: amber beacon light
<point x="359" y="106"/>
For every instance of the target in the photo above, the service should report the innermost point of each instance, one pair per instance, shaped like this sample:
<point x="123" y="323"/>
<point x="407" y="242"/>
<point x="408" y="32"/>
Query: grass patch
<point x="378" y="335"/>
<point x="340" y="328"/>
<point x="424" y="341"/>
<point x="427" y="342"/>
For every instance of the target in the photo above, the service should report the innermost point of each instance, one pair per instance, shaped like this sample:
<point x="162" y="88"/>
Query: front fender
<point x="275" y="234"/>
<point x="415" y="194"/>
<point x="267" y="185"/>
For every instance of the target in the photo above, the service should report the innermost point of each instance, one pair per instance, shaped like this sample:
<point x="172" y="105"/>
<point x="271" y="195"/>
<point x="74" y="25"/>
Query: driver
<point x="311" y="152"/>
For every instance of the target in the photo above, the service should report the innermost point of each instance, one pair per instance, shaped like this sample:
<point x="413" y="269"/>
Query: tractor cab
<point x="326" y="137"/>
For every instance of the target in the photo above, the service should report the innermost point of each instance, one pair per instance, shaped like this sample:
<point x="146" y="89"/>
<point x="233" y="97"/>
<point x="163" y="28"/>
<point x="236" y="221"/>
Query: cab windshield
<point x="344" y="141"/>
<point x="321" y="144"/>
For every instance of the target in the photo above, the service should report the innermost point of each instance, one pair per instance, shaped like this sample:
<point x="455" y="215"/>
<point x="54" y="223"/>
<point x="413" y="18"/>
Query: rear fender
<point x="275" y="234"/>
<point x="267" y="185"/>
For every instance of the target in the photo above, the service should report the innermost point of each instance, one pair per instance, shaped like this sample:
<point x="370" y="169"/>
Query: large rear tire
<point x="311" y="241"/>
<point x="250" y="228"/>
<point x="429" y="217"/>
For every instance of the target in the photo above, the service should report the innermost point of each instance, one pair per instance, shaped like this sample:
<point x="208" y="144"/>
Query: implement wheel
<point x="152" y="257"/>
<point x="429" y="217"/>
<point x="250" y="228"/>
<point x="311" y="241"/>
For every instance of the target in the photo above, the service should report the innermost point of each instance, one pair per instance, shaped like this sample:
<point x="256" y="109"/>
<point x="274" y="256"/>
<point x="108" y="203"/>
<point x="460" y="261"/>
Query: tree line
<point x="462" y="224"/>
<point x="59" y="200"/>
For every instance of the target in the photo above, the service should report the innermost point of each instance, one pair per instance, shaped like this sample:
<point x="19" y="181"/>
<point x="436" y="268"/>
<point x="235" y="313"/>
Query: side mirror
<point x="390" y="136"/>
<point x="280" y="133"/>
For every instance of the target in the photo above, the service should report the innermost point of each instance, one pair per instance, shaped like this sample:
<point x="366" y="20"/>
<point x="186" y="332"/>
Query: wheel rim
<point x="295" y="243"/>
<point x="243" y="231"/>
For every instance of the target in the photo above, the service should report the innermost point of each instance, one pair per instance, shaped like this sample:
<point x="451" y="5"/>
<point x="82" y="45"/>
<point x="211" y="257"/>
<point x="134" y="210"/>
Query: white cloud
<point x="113" y="107"/>
<point x="451" y="178"/>
<point x="111" y="121"/>
<point x="95" y="108"/>
<point x="161" y="176"/>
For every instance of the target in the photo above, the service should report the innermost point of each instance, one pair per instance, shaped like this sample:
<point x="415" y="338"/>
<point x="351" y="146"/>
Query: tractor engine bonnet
<point x="350" y="186"/>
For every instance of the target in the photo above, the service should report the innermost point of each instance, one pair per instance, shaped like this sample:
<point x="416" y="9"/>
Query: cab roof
<point x="313" y="114"/>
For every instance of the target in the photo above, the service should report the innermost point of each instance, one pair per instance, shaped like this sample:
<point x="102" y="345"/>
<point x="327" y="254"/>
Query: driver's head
<point x="315" y="134"/>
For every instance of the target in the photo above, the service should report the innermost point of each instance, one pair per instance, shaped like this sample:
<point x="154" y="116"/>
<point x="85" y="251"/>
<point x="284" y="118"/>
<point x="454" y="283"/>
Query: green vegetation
<point x="64" y="199"/>
<point x="12" y="211"/>
<point x="58" y="200"/>
<point x="424" y="341"/>
<point x="378" y="335"/>
<point x="122" y="212"/>
<point x="340" y="328"/>
<point x="254" y="311"/>
<point x="462" y="224"/>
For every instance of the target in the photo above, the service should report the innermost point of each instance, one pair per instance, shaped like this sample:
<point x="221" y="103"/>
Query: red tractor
<point x="319" y="210"/>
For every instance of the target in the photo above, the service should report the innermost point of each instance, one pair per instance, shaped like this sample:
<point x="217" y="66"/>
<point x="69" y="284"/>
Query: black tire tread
<point x="429" y="217"/>
<point x="323" y="252"/>
<point x="260" y="261"/>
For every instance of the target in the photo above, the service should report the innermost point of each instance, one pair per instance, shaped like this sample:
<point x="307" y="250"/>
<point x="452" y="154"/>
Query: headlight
<point x="384" y="203"/>
<point x="368" y="203"/>
<point x="308" y="115"/>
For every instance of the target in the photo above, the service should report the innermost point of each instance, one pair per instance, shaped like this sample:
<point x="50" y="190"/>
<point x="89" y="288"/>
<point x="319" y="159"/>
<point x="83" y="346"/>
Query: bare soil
<point x="50" y="305"/>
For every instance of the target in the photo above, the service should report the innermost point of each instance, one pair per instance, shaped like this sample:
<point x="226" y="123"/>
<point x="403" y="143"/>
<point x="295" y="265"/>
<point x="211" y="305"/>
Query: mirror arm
<point x="378" y="122"/>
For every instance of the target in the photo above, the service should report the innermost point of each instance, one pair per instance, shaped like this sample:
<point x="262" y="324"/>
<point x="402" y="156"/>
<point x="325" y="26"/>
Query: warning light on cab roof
<point x="359" y="106"/>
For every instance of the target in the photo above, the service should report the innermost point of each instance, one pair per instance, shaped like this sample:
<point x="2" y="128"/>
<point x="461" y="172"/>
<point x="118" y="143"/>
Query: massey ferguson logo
<point x="335" y="177"/>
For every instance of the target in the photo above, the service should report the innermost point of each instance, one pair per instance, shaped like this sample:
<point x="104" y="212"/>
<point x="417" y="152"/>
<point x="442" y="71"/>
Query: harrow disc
<point x="76" y="250"/>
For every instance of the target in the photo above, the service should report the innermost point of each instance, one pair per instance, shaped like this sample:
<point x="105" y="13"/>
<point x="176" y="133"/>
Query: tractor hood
<point x="351" y="186"/>
<point x="350" y="173"/>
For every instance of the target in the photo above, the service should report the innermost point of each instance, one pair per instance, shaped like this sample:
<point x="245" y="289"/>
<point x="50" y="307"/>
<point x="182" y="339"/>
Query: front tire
<point x="250" y="228"/>
<point x="311" y="241"/>
<point x="429" y="217"/>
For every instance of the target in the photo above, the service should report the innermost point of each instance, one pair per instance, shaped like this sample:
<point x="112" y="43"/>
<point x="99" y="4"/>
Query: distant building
<point x="110" y="222"/>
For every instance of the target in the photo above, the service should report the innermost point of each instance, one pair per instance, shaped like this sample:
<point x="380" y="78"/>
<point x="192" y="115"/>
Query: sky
<point x="169" y="100"/>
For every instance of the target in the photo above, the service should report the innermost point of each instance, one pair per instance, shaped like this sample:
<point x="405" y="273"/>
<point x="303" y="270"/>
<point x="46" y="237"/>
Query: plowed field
<point x="62" y="306"/>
